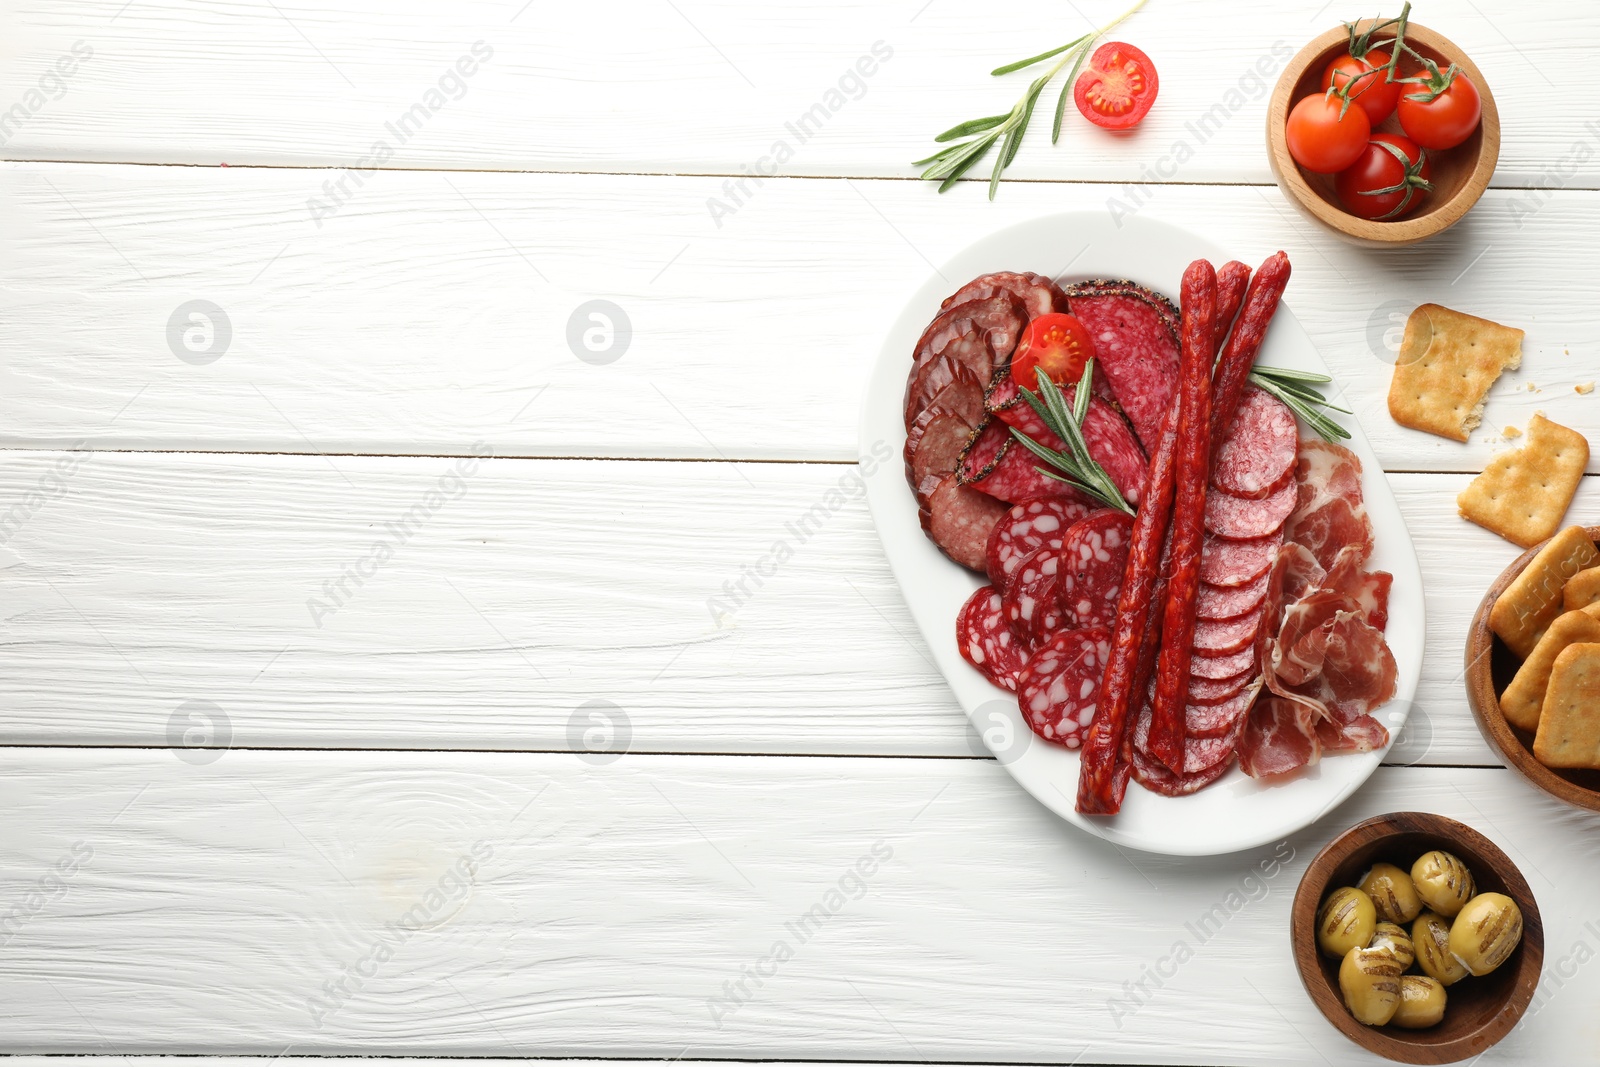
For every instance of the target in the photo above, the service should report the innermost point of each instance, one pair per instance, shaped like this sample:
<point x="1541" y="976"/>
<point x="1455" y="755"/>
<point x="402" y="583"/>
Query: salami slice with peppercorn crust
<point x="1136" y="344"/>
<point x="1188" y="514"/>
<point x="1059" y="689"/>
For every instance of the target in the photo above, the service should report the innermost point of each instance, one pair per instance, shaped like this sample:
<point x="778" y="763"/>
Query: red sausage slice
<point x="1094" y="556"/>
<point x="1030" y="598"/>
<point x="986" y="641"/>
<point x="1028" y="526"/>
<point x="1059" y="688"/>
<point x="1233" y="563"/>
<point x="1223" y="666"/>
<point x="1221" y="602"/>
<point x="1214" y="637"/>
<point x="1258" y="449"/>
<point x="1243" y="520"/>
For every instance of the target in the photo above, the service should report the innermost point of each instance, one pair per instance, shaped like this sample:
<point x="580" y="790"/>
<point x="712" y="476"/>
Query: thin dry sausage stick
<point x="1104" y="769"/>
<point x="1239" y="353"/>
<point x="1199" y="305"/>
<point x="1232" y="279"/>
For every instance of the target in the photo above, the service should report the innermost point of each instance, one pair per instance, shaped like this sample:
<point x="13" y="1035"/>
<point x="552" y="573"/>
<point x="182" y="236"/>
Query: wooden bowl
<point x="1478" y="1011"/>
<point x="1490" y="666"/>
<point x="1460" y="174"/>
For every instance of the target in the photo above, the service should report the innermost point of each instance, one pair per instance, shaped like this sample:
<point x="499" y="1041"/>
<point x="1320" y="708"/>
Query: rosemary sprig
<point x="1298" y="389"/>
<point x="1076" y="466"/>
<point x="947" y="165"/>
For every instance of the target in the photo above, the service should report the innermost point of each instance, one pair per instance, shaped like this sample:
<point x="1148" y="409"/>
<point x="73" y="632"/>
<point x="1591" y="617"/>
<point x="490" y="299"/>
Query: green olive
<point x="1430" y="936"/>
<point x="1485" y="932"/>
<point x="1346" y="921"/>
<point x="1421" y="1003"/>
<point x="1392" y="893"/>
<point x="1369" y="978"/>
<point x="1393" y="938"/>
<point x="1443" y="882"/>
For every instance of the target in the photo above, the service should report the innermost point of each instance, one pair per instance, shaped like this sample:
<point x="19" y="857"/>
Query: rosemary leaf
<point x="1076" y="466"/>
<point x="964" y="166"/>
<point x="1041" y="57"/>
<point x="971" y="126"/>
<point x="1066" y="90"/>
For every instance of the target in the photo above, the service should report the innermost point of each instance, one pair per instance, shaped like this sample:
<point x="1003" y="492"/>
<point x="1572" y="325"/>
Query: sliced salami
<point x="1030" y="598"/>
<point x="1004" y="469"/>
<point x="1258" y="449"/>
<point x="1223" y="666"/>
<point x="983" y="453"/>
<point x="969" y="349"/>
<point x="1201" y="753"/>
<point x="1000" y="315"/>
<point x="1231" y="563"/>
<point x="1136" y="345"/>
<point x="987" y="642"/>
<point x="1218" y="690"/>
<point x="1222" y="602"/>
<point x="1094" y="555"/>
<point x="963" y="397"/>
<point x="1243" y="520"/>
<point x="1158" y="779"/>
<point x="1039" y="294"/>
<point x="958" y="519"/>
<point x="1107" y="434"/>
<point x="1028" y="526"/>
<point x="1214" y="637"/>
<point x="1057" y="691"/>
<point x="936" y="449"/>
<point x="1220" y="719"/>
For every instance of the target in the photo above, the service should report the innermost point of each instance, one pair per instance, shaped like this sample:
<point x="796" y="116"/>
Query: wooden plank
<point x="511" y="905"/>
<point x="434" y="312"/>
<point x="148" y="582"/>
<point x="704" y="86"/>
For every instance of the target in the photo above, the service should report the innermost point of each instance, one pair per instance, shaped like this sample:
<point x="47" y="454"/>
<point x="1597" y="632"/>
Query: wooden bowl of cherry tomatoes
<point x="1400" y="150"/>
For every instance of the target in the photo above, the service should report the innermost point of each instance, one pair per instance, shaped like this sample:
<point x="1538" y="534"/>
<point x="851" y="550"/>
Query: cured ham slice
<point x="1322" y="654"/>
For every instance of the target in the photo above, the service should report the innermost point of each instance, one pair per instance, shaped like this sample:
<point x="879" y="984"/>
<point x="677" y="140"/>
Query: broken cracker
<point x="1447" y="362"/>
<point x="1532" y="601"/>
<point x="1523" y="494"/>
<point x="1569" y="722"/>
<point x="1582" y="590"/>
<point x="1525" y="695"/>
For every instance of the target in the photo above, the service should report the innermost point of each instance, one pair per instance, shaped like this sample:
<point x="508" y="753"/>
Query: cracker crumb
<point x="1511" y="433"/>
<point x="1584" y="388"/>
<point x="1532" y="388"/>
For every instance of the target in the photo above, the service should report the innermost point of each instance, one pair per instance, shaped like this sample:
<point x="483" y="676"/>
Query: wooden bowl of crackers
<point x="1533" y="666"/>
<point x="1460" y="174"/>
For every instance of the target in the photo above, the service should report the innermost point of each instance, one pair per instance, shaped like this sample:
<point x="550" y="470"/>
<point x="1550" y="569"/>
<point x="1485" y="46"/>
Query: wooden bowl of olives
<point x="1417" y="938"/>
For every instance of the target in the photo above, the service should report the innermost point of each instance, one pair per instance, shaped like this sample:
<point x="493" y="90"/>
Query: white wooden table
<point x="269" y="790"/>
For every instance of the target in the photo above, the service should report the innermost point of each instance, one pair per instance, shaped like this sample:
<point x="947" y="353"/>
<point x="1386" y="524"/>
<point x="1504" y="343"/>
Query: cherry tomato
<point x="1447" y="119"/>
<point x="1373" y="91"/>
<point x="1057" y="344"/>
<point x="1323" y="141"/>
<point x="1379" y="185"/>
<point x="1117" y="86"/>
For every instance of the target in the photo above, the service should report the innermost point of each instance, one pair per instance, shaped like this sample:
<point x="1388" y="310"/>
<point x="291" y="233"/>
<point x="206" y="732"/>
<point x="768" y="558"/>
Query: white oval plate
<point x="1236" y="812"/>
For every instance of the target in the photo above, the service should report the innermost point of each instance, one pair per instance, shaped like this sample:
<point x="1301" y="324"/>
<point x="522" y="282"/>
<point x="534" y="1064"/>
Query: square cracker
<point x="1532" y="601"/>
<point x="1447" y="362"/>
<point x="1569" y="725"/>
<point x="1581" y="590"/>
<point x="1525" y="695"/>
<point x="1523" y="494"/>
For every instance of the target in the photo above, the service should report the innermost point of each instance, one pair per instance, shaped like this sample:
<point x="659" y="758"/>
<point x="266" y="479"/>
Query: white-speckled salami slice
<point x="1214" y="637"/>
<point x="1225" y="665"/>
<point x="986" y="641"/>
<point x="1057" y="691"/>
<point x="1094" y="555"/>
<point x="1030" y="598"/>
<point x="1027" y="527"/>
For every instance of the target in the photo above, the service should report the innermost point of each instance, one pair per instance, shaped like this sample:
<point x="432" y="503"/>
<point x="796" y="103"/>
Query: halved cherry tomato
<point x="1379" y="185"/>
<point x="1057" y="343"/>
<point x="1447" y="119"/>
<point x="1117" y="86"/>
<point x="1372" y="89"/>
<point x="1323" y="140"/>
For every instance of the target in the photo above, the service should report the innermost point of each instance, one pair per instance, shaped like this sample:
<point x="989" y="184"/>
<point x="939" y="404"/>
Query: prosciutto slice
<point x="1322" y="652"/>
